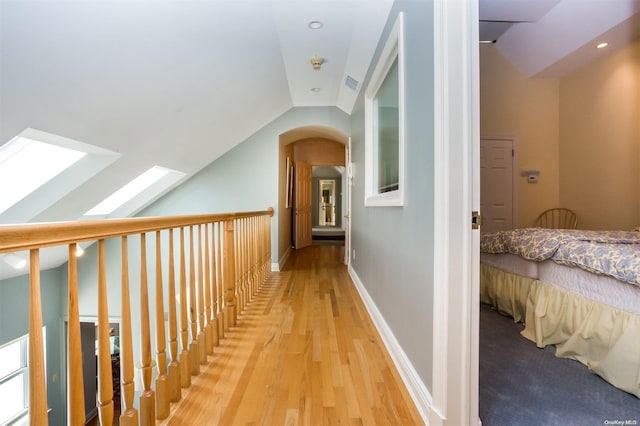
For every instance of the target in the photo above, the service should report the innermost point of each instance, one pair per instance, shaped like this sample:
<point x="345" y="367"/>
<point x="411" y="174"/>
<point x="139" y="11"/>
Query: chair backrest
<point x="557" y="218"/>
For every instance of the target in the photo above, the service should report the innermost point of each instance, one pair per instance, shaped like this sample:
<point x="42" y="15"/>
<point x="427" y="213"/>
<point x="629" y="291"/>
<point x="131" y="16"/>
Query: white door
<point x="496" y="184"/>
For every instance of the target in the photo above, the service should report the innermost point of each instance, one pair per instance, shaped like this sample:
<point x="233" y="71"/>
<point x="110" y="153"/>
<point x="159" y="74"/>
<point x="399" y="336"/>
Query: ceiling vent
<point x="351" y="83"/>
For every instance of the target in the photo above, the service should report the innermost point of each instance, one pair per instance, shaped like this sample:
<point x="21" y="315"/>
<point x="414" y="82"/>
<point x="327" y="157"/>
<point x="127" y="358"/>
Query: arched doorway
<point x="301" y="150"/>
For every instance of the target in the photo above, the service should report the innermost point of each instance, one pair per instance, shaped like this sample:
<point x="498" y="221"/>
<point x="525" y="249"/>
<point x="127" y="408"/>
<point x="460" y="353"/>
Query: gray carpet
<point x="523" y="385"/>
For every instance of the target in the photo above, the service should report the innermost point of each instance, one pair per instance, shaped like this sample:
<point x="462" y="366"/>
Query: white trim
<point x="277" y="267"/>
<point x="514" y="171"/>
<point x="393" y="48"/>
<point x="416" y="387"/>
<point x="456" y="133"/>
<point x="441" y="218"/>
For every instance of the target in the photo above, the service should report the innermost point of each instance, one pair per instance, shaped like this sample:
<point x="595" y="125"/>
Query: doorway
<point x="498" y="183"/>
<point x="326" y="202"/>
<point x="89" y="346"/>
<point x="318" y="213"/>
<point x="329" y="204"/>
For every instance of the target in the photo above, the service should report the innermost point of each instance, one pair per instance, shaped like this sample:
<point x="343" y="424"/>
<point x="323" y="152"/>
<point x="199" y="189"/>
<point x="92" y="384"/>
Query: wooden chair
<point x="557" y="218"/>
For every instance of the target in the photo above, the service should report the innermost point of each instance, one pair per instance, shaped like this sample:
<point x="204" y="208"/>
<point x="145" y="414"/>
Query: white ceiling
<point x="178" y="83"/>
<point x="173" y="83"/>
<point x="550" y="38"/>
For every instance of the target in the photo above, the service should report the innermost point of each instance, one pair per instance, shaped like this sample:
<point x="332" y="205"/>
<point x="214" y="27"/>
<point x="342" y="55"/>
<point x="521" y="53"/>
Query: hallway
<point x="303" y="352"/>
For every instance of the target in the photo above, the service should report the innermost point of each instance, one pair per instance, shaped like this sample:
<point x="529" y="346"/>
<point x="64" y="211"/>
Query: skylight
<point x="127" y="192"/>
<point x="27" y="164"/>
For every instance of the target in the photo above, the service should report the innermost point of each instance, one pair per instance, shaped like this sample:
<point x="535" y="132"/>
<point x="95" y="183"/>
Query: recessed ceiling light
<point x="601" y="45"/>
<point x="315" y="25"/>
<point x="315" y="89"/>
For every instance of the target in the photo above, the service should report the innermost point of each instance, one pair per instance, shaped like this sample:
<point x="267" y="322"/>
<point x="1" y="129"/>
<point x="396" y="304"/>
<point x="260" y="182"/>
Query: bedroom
<point x="580" y="129"/>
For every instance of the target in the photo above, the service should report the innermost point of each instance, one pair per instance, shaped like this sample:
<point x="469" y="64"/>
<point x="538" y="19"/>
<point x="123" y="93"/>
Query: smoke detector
<point x="316" y="63"/>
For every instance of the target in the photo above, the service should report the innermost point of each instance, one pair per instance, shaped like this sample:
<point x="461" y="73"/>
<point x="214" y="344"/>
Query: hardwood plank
<point x="304" y="352"/>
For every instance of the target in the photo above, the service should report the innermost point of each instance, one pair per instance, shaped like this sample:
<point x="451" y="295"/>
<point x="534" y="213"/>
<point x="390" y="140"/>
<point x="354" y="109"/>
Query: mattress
<point x="602" y="288"/>
<point x="511" y="263"/>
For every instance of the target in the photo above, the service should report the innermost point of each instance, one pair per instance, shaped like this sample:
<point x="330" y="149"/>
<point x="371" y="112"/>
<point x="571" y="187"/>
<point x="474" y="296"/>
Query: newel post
<point x="229" y="276"/>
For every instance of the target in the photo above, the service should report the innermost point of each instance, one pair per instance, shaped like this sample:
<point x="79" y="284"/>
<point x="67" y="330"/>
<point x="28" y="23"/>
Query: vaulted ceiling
<point x="178" y="83"/>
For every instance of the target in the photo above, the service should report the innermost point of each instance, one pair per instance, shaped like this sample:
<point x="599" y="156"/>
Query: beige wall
<point x="527" y="108"/>
<point x="600" y="141"/>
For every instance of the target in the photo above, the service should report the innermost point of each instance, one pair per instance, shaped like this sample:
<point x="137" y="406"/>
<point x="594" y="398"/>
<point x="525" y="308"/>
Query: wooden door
<point x="303" y="204"/>
<point x="496" y="184"/>
<point x="347" y="217"/>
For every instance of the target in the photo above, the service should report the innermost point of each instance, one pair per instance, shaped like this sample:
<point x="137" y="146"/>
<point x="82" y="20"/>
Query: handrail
<point x="228" y="257"/>
<point x="40" y="235"/>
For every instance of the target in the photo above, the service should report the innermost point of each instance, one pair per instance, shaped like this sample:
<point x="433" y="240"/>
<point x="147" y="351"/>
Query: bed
<point x="578" y="290"/>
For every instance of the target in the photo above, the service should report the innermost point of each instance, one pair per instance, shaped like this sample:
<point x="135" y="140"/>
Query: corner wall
<point x="249" y="176"/>
<point x="392" y="247"/>
<point x="600" y="141"/>
<point x="14" y="323"/>
<point x="527" y="108"/>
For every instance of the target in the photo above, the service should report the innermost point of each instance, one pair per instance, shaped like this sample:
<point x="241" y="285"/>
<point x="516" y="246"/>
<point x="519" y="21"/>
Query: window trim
<point x="393" y="49"/>
<point x="22" y="370"/>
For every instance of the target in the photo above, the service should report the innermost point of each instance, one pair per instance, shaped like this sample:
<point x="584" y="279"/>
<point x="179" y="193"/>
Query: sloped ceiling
<point x="178" y="83"/>
<point x="173" y="83"/>
<point x="550" y="38"/>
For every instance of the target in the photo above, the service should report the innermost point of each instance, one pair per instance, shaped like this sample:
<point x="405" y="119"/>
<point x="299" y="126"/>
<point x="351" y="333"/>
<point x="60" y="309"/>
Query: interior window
<point x="387" y="138"/>
<point x="384" y="129"/>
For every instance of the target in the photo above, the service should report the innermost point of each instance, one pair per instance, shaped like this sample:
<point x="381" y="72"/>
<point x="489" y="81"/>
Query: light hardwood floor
<point x="304" y="352"/>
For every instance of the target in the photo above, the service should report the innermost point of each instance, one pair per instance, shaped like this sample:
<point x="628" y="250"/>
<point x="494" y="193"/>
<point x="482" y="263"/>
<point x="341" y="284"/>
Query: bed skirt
<point x="605" y="339"/>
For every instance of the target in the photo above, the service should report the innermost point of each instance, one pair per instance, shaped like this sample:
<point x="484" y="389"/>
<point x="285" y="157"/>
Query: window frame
<point x="24" y="371"/>
<point x="393" y="50"/>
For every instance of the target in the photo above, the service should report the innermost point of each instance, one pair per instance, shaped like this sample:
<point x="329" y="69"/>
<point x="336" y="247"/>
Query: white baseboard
<point x="417" y="389"/>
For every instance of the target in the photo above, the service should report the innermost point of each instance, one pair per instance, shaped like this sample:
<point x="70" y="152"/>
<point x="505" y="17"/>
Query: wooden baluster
<point x="75" y="382"/>
<point x="229" y="279"/>
<point x="185" y="363"/>
<point x="162" y="381"/>
<point x="105" y="377"/>
<point x="213" y="284"/>
<point x="250" y="266"/>
<point x="247" y="260"/>
<point x="129" y="414"/>
<point x="238" y="231"/>
<point x="208" y="333"/>
<point x="202" y="350"/>
<point x="219" y="283"/>
<point x="194" y="354"/>
<point x="147" y="399"/>
<point x="267" y="239"/>
<point x="175" y="391"/>
<point x="256" y="255"/>
<point x="37" y="390"/>
<point x="242" y="264"/>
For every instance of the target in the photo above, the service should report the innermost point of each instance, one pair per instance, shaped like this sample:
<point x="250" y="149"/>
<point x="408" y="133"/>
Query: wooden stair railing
<point x="228" y="259"/>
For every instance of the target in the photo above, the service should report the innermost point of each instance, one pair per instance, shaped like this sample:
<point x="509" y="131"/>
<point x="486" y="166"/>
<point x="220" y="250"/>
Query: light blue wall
<point x="246" y="177"/>
<point x="14" y="323"/>
<point x="394" y="245"/>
